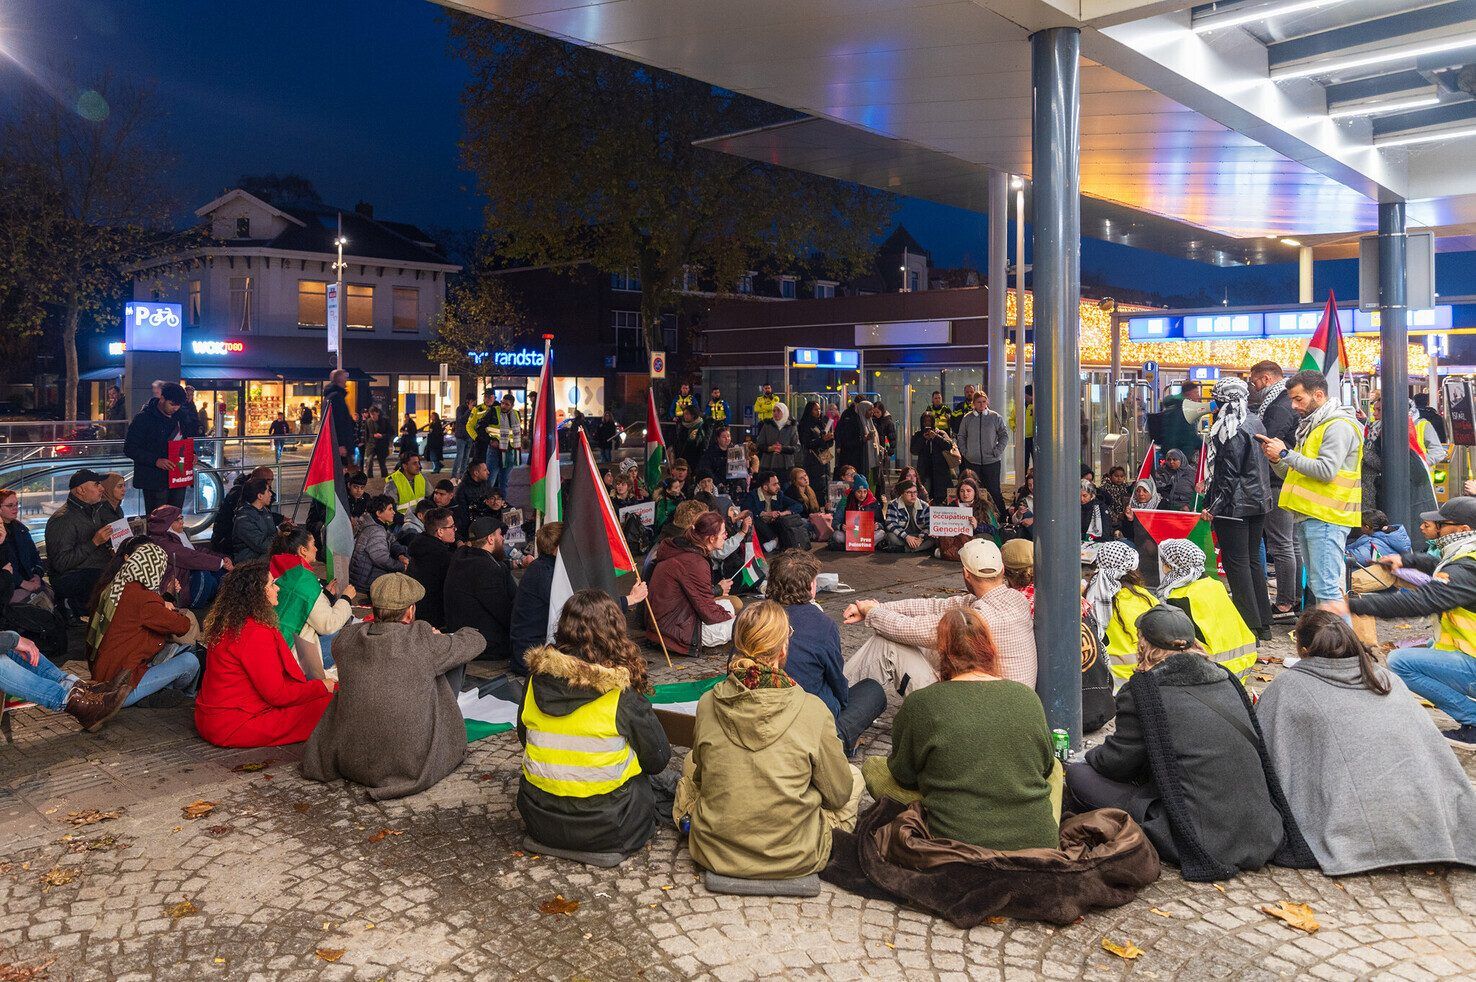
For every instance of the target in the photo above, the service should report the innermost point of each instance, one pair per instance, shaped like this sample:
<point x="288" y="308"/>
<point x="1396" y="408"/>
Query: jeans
<point x="1446" y="678"/>
<point x="1240" y="542"/>
<point x="173" y="667"/>
<point x="154" y="497"/>
<point x="867" y="700"/>
<point x="459" y="467"/>
<point x="494" y="467"/>
<point x="43" y="683"/>
<point x="509" y="461"/>
<point x="1281" y="545"/>
<point x="1323" y="547"/>
<point x="325" y="645"/>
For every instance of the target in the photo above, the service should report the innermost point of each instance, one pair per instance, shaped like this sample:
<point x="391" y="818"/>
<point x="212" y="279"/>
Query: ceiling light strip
<point x="1398" y="53"/>
<point x="1235" y="17"/>
<point x="1433" y="136"/>
<point x="1380" y="108"/>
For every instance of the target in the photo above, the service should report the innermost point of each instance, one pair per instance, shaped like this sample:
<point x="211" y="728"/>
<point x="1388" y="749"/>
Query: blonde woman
<point x="767" y="779"/>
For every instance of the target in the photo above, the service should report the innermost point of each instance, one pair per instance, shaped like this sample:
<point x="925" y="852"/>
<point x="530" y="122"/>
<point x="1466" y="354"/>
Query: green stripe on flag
<point x="669" y="694"/>
<point x="683" y="691"/>
<point x="478" y="730"/>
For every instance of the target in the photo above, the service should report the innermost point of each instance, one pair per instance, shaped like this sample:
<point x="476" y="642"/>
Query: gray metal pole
<point x="999" y="206"/>
<point x="1394" y="362"/>
<point x="1055" y="158"/>
<point x="1020" y="334"/>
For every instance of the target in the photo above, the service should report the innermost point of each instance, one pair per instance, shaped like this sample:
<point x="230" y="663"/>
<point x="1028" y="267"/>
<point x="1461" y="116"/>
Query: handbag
<point x="952" y="455"/>
<point x="827" y="455"/>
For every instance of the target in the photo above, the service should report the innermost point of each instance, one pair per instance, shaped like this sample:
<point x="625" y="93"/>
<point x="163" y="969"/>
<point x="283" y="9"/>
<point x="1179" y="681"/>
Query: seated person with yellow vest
<point x="1117" y="597"/>
<point x="1446" y="673"/>
<point x="406" y="486"/>
<point x="1218" y="625"/>
<point x="1323" y="490"/>
<point x="591" y="740"/>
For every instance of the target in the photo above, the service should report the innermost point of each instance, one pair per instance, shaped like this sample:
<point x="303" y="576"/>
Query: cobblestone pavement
<point x="286" y="879"/>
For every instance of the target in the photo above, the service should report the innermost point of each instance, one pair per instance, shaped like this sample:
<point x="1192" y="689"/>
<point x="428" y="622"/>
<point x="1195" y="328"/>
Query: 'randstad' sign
<point x="521" y="358"/>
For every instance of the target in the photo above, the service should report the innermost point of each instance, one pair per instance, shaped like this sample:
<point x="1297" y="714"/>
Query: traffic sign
<point x="1150" y="368"/>
<point x="658" y="364"/>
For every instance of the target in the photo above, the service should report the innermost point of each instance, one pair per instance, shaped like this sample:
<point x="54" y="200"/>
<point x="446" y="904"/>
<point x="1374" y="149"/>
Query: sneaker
<point x="1462" y="738"/>
<point x="1284" y="614"/>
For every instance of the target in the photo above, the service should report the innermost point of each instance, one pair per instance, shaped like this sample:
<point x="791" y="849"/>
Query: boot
<point x="93" y="708"/>
<point x="101" y="686"/>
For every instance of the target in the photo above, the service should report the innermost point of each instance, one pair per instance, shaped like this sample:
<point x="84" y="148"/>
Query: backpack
<point x="1098" y="704"/>
<point x="793" y="532"/>
<point x="45" y="627"/>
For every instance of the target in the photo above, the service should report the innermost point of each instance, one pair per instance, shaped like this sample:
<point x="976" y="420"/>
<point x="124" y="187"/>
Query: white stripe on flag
<point x="486" y="709"/>
<point x="559" y="591"/>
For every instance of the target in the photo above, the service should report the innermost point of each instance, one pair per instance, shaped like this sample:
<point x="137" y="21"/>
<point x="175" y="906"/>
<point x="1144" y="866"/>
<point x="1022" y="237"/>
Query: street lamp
<point x="339" y="242"/>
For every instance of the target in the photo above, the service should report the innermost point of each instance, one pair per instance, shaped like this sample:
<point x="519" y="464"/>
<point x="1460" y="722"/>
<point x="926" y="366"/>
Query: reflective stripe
<point x="1327" y="501"/>
<point x="408" y="494"/>
<point x="566" y="741"/>
<point x="1226" y="638"/>
<point x="575" y="773"/>
<point x="1337" y="501"/>
<point x="579" y="755"/>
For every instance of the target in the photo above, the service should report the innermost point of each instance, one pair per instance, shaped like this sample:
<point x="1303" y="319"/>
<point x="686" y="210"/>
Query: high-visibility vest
<point x="1226" y="637"/>
<point x="717" y="411"/>
<point x="763" y="408"/>
<point x="475" y="420"/>
<point x="1337" y="502"/>
<point x="408" y="493"/>
<point x="1122" y="629"/>
<point x="1458" y="625"/>
<point x="579" y="755"/>
<point x="680" y="405"/>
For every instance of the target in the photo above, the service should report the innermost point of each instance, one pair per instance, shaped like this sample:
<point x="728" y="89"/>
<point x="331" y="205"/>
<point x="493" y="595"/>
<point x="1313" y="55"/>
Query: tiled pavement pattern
<point x="285" y="875"/>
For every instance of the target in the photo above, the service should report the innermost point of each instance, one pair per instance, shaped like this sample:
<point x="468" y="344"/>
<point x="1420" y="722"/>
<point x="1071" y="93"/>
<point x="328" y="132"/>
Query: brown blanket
<point x="1104" y="860"/>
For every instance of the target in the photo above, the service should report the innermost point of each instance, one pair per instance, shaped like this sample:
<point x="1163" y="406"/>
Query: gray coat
<point x="1369" y="778"/>
<point x="982" y="438"/>
<point x="376" y="552"/>
<point x="394" y="725"/>
<point x="787" y="436"/>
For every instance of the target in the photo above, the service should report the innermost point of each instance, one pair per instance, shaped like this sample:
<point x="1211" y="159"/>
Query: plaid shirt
<point x="897" y="515"/>
<point x="1006" y="611"/>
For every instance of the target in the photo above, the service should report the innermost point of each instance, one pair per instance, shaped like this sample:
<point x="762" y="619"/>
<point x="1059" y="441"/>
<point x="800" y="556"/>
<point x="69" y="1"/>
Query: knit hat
<point x="1018" y="554"/>
<point x="1166" y="627"/>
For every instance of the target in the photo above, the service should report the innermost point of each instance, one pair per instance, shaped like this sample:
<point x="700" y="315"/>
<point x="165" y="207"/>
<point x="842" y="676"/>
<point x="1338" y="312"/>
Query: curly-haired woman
<point x="591" y="740"/>
<point x="255" y="693"/>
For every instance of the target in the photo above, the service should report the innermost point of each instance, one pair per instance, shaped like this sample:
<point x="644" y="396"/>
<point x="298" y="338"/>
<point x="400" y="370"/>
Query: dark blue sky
<point x="362" y="97"/>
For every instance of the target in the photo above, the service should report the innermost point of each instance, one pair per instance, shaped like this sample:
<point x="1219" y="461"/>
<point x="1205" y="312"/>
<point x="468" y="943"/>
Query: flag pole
<point x="538" y="515"/>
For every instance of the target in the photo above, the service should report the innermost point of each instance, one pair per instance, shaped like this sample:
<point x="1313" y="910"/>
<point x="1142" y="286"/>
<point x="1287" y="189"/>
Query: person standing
<point x="435" y="443"/>
<point x="777" y="440"/>
<point x="717" y="409"/>
<point x="280" y="430"/>
<point x="685" y="399"/>
<point x="305" y="420"/>
<point x="459" y="430"/>
<point x="147" y="445"/>
<point x="817" y="438"/>
<point x="409" y="436"/>
<point x="380" y="430"/>
<point x="1421" y="402"/>
<point x="930" y="447"/>
<point x="856" y="440"/>
<point x="1237" y="487"/>
<point x="117" y="406"/>
<point x="1321" y="482"/>
<point x="982" y="437"/>
<point x="1181" y="415"/>
<point x="1279" y="421"/>
<point x="509" y="437"/>
<point x="335" y="403"/>
<point x="1431" y="451"/>
<point x="763" y="406"/>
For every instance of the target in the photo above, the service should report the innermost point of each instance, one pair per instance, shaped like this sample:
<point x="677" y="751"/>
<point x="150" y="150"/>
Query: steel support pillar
<point x="999" y="224"/>
<point x="1394" y="364"/>
<point x="1055" y="81"/>
<point x="1020" y="432"/>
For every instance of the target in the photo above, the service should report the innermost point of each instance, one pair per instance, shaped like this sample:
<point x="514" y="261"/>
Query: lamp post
<point x="339" y="242"/>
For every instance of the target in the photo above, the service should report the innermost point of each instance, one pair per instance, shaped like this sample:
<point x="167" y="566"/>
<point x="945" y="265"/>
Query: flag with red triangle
<point x="324" y="484"/>
<point x="1145" y="473"/>
<point x="1325" y="351"/>
<point x="655" y="444"/>
<point x="544" y="475"/>
<point x="1161" y="525"/>
<point x="592" y="553"/>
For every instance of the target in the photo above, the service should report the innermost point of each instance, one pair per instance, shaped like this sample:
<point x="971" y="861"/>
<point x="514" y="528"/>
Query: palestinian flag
<point x="544" y="476"/>
<point x="1325" y="352"/>
<point x="297" y="590"/>
<point x="592" y="553"/>
<point x="754" y="570"/>
<point x="1145" y="473"/>
<point x="493" y="708"/>
<point x="1163" y="525"/>
<point x="324" y="484"/>
<point x="1201" y="475"/>
<point x="655" y="444"/>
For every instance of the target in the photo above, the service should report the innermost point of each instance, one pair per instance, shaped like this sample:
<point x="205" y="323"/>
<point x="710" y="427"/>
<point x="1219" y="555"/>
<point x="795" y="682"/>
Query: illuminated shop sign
<point x="116" y="348"/>
<point x="1272" y="324"/>
<point x="152" y="325"/>
<point x="200" y="347"/>
<point x="521" y="358"/>
<point x="843" y="359"/>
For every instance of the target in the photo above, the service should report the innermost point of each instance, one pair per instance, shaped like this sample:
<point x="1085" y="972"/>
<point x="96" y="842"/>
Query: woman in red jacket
<point x="690" y="617"/>
<point x="254" y="693"/>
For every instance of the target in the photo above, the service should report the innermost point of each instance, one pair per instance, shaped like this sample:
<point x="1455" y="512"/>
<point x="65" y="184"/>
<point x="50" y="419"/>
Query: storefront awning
<point x="239" y="373"/>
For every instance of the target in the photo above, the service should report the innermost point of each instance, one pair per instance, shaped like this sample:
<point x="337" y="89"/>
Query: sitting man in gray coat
<point x="394" y="725"/>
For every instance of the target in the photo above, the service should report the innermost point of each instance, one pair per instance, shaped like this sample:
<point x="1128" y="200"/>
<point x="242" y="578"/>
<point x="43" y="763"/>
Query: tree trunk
<point x="69" y="352"/>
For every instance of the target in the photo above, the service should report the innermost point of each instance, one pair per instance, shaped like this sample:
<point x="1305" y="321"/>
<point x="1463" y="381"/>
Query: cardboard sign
<point x="860" y="531"/>
<point x="837" y="491"/>
<point x="515" y="534"/>
<point x="645" y="511"/>
<point x="1460" y="409"/>
<point x="737" y="463"/>
<point x="119" y="532"/>
<point x="946" y="521"/>
<point x="182" y="453"/>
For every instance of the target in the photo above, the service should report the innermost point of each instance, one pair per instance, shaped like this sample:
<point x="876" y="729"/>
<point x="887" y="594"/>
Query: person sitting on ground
<point x="413" y="523"/>
<point x="472" y="495"/>
<point x="255" y="694"/>
<point x="27" y="570"/>
<point x="773" y="512"/>
<point x="815" y="658"/>
<point x="530" y="625"/>
<point x="223" y="528"/>
<point x="196" y="572"/>
<point x="394" y="726"/>
<point x="254" y="528"/>
<point x="406" y="485"/>
<point x="902" y="652"/>
<point x="310" y="616"/>
<point x="859" y="498"/>
<point x="1186" y="761"/>
<point x="430" y="555"/>
<point x="1184" y="583"/>
<point x="115" y="489"/>
<point x="1376" y="537"/>
<point x="1019" y="568"/>
<point x="1403" y="798"/>
<point x="1020" y="520"/>
<point x="1117" y="596"/>
<point x="480" y="590"/>
<point x="975" y="749"/>
<point x="376" y="550"/>
<point x="1145" y="496"/>
<point x="78" y="541"/>
<point x="767" y="779"/>
<point x="357" y="485"/>
<point x="1175" y="480"/>
<point x="908" y="519"/>
<point x="443" y="494"/>
<point x="1116" y="492"/>
<point x="591" y="740"/>
<point x="135" y="632"/>
<point x="802" y="491"/>
<point x="967" y="495"/>
<point x="669" y="496"/>
<point x="28" y="675"/>
<point x="1096" y="523"/>
<point x="687" y="614"/>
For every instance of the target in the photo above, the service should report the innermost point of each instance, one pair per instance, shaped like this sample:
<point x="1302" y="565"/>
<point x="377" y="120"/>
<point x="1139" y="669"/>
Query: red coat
<point x="681" y="594"/>
<point x="254" y="693"/>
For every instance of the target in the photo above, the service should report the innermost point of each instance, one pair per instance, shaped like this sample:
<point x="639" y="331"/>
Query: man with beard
<point x="479" y="589"/>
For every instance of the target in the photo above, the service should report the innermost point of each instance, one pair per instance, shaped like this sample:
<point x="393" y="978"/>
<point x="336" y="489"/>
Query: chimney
<point x="364" y="208"/>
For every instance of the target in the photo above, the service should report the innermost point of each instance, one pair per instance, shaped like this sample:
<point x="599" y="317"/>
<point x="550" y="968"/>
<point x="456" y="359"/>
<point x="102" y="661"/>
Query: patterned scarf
<point x="1453" y="545"/>
<point x="1114" y="561"/>
<point x="1182" y="562"/>
<point x="1272" y="393"/>
<point x="753" y="674"/>
<point x="1231" y="394"/>
<point x="145" y="566"/>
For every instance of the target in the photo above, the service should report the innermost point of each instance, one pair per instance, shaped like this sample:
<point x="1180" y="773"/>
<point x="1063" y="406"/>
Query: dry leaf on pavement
<point x="1128" y="951"/>
<point x="1299" y="916"/>
<point x="994" y="920"/>
<point x="182" y="909"/>
<point x="24" y="973"/>
<point x="301" y="807"/>
<point x="383" y="834"/>
<point x="197" y="809"/>
<point x="93" y="816"/>
<point x="219" y="830"/>
<point x="558" y="904"/>
<point x="1160" y="913"/>
<point x="251" y="767"/>
<point x="101" y="843"/>
<point x="59" y="876"/>
<point x="331" y="954"/>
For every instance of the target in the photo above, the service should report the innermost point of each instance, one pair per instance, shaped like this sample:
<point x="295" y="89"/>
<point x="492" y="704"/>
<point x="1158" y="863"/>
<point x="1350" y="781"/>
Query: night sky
<point x="362" y="98"/>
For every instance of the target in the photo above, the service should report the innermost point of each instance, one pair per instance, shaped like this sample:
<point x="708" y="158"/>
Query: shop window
<point x="241" y="305"/>
<point x="312" y="303"/>
<point x="192" y="308"/>
<point x="359" y="311"/>
<point x="407" y="308"/>
<point x="627" y="329"/>
<point x="626" y="281"/>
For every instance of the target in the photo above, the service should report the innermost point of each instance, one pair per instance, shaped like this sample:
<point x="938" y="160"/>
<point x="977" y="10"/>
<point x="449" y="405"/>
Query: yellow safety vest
<point x="1338" y="502"/>
<point x="1226" y="637"/>
<point x="1458" y="625"/>
<point x="475" y="419"/>
<point x="717" y="411"/>
<point x="408" y="493"/>
<point x="680" y="405"/>
<point x="579" y="755"/>
<point x="1122" y="629"/>
<point x="763" y="408"/>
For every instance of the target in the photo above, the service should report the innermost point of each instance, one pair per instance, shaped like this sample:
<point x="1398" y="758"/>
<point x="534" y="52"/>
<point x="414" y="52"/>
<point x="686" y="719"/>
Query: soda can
<point x="1061" y="741"/>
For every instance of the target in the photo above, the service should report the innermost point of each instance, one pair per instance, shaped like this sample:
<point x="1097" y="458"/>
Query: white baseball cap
<point x="981" y="557"/>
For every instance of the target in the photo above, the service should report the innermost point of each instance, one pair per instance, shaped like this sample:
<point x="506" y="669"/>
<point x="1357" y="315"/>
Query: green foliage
<point x="586" y="157"/>
<point x="478" y="317"/>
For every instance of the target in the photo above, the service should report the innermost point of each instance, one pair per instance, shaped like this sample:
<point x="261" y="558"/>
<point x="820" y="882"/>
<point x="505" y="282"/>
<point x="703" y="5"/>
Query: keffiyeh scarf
<point x="1182" y="562"/>
<point x="1453" y="545"/>
<point x="1114" y="561"/>
<point x="1273" y="391"/>
<point x="1231" y="394"/>
<point x="145" y="566"/>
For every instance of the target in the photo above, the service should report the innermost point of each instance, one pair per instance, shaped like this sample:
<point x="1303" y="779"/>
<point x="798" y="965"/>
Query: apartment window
<point x="669" y="338"/>
<point x="786" y="289"/>
<point x="627" y="329"/>
<point x="241" y="312"/>
<point x="407" y="308"/>
<point x="312" y="303"/>
<point x="824" y="290"/>
<point x="745" y="283"/>
<point x="243" y="228"/>
<point x="192" y="307"/>
<point x="625" y="281"/>
<point x="912" y="282"/>
<point x="359" y="308"/>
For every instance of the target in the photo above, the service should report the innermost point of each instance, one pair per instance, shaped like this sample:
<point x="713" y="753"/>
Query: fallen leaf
<point x="1270" y="659"/>
<point x="484" y="777"/>
<point x="101" y="843"/>
<point x="182" y="909"/>
<point x="59" y="876"/>
<point x="890" y="945"/>
<point x="1262" y="678"/>
<point x="994" y="920"/>
<point x="1128" y="951"/>
<point x="25" y="973"/>
<point x="518" y="853"/>
<point x="331" y="954"/>
<point x="1219" y="888"/>
<point x="197" y="809"/>
<point x="177" y="828"/>
<point x="558" y="904"/>
<point x="93" y="816"/>
<point x="383" y="834"/>
<point x="1160" y="913"/>
<point x="220" y="961"/>
<point x="301" y="807"/>
<point x="667" y="887"/>
<point x="1299" y="916"/>
<point x="220" y="830"/>
<point x="251" y="767"/>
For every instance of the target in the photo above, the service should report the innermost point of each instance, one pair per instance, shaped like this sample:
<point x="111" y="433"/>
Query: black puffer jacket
<point x="1280" y="421"/>
<point x="622" y="820"/>
<point x="1240" y="486"/>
